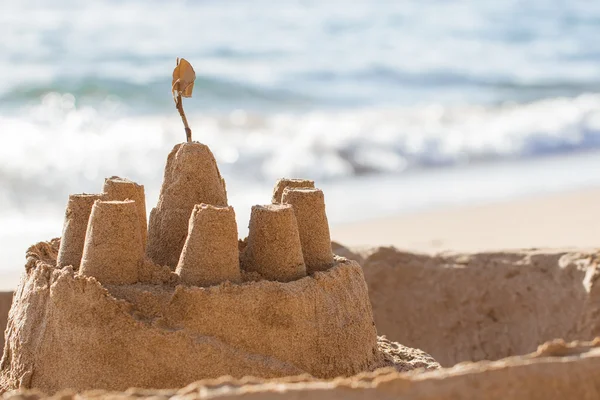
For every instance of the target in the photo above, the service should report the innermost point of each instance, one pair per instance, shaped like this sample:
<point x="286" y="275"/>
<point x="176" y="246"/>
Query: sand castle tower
<point x="274" y="249"/>
<point x="77" y="215"/>
<point x="121" y="189"/>
<point x="114" y="250"/>
<point x="210" y="254"/>
<point x="309" y="208"/>
<point x="112" y="305"/>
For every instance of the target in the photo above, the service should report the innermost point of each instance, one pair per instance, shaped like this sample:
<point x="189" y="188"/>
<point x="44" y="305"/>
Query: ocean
<point x="388" y="106"/>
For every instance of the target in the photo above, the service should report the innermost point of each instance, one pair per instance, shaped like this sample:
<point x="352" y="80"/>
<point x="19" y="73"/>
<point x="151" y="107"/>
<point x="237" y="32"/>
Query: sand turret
<point x="274" y="249"/>
<point x="289" y="183"/>
<point x="309" y="208"/>
<point x="77" y="215"/>
<point x="191" y="177"/>
<point x="113" y="250"/>
<point x="121" y="189"/>
<point x="210" y="254"/>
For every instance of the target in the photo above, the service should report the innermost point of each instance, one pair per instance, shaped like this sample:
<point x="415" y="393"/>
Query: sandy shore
<point x="557" y="220"/>
<point x="9" y="280"/>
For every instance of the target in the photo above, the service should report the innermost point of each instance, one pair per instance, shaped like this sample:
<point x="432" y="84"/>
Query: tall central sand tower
<point x="191" y="177"/>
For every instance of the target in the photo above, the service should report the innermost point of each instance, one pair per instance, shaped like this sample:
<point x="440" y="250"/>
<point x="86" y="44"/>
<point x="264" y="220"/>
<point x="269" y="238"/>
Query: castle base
<point x="73" y="332"/>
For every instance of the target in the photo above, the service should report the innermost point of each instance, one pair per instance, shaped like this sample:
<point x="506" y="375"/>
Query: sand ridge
<point x="555" y="371"/>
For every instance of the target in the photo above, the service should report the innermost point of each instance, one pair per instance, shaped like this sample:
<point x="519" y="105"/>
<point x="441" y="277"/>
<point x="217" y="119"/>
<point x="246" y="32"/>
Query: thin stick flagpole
<point x="179" y="105"/>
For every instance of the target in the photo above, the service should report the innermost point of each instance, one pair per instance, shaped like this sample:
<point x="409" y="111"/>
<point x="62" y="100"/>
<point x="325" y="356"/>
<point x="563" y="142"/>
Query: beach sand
<point x="554" y="220"/>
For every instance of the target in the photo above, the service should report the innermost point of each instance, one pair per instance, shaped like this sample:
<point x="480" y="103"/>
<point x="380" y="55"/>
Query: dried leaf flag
<point x="183" y="78"/>
<point x="182" y="86"/>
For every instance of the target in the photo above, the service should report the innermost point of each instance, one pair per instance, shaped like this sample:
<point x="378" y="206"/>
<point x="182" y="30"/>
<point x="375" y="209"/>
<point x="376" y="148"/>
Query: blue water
<point x="345" y="93"/>
<point x="301" y="54"/>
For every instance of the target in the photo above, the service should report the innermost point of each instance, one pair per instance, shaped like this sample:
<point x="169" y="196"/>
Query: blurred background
<point x="391" y="106"/>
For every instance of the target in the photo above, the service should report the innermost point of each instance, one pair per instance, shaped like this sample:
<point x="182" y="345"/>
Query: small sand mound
<point x="485" y="306"/>
<point x="115" y="318"/>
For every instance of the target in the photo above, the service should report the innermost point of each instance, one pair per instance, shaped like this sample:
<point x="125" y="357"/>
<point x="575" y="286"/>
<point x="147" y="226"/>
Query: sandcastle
<point x="119" y="303"/>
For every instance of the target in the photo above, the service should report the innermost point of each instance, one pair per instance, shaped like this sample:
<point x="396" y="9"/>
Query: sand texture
<point x="556" y="371"/>
<point x="191" y="177"/>
<point x="483" y="306"/>
<point x="68" y="330"/>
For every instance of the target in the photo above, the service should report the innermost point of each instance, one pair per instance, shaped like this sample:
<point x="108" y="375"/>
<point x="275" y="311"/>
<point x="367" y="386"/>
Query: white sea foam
<point x="55" y="148"/>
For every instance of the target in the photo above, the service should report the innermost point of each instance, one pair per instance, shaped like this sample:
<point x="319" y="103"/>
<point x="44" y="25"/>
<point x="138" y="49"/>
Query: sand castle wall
<point x="191" y="177"/>
<point x="168" y="335"/>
